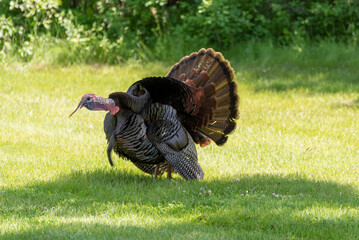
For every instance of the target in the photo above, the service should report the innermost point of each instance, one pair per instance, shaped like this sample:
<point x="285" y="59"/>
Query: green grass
<point x="290" y="171"/>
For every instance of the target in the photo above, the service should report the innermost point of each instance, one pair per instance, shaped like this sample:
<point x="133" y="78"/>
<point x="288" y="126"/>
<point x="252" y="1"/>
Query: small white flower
<point x="275" y="195"/>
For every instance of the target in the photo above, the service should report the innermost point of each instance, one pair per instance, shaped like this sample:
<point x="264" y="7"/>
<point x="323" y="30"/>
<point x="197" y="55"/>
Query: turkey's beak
<point x="81" y="104"/>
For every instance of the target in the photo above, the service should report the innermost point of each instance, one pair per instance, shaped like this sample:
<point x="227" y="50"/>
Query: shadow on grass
<point x="259" y="206"/>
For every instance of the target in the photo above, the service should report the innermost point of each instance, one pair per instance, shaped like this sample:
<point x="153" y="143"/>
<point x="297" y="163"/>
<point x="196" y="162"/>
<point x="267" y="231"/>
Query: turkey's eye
<point x="88" y="99"/>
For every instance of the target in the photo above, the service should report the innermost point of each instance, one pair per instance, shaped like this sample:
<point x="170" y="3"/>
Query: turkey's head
<point x="97" y="103"/>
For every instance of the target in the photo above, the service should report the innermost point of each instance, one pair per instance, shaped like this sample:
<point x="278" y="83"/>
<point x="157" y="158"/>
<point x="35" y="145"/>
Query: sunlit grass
<point x="290" y="171"/>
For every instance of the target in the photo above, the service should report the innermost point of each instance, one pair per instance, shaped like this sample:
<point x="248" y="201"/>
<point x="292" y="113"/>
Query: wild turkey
<point x="157" y="121"/>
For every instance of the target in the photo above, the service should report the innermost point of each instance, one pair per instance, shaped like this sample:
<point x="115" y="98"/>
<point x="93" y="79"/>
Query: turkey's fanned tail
<point x="215" y="99"/>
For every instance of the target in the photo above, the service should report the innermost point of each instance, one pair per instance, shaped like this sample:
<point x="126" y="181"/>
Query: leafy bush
<point x="111" y="31"/>
<point x="227" y="22"/>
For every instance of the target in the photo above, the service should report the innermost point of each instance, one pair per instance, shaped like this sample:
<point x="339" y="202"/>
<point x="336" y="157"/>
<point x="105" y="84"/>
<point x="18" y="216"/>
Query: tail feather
<point x="224" y="126"/>
<point x="222" y="114"/>
<point x="218" y="137"/>
<point x="197" y="58"/>
<point x="206" y="61"/>
<point x="185" y="65"/>
<point x="209" y="91"/>
<point x="220" y="91"/>
<point x="202" y="79"/>
<point x="182" y="77"/>
<point x="224" y="101"/>
<point x="210" y="78"/>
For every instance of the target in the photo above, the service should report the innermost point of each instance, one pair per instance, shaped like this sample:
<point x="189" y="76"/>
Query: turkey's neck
<point x="107" y="104"/>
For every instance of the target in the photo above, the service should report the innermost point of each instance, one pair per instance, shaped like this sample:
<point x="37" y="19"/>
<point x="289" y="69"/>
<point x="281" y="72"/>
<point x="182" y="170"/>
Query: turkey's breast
<point x="131" y="140"/>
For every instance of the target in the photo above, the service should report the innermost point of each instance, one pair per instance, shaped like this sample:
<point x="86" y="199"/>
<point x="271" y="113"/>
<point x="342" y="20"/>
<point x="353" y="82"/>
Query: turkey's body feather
<point x="131" y="140"/>
<point x="161" y="118"/>
<point x="154" y="136"/>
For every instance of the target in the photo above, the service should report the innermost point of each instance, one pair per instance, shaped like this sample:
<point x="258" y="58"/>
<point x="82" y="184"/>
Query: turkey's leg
<point x="156" y="171"/>
<point x="169" y="172"/>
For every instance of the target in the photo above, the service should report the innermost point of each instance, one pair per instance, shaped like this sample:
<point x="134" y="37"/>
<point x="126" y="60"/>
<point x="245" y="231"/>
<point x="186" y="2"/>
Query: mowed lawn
<point x="290" y="170"/>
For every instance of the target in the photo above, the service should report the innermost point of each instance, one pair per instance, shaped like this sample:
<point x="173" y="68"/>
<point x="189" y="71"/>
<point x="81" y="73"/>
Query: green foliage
<point x="227" y="22"/>
<point x="7" y="31"/>
<point x="110" y="31"/>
